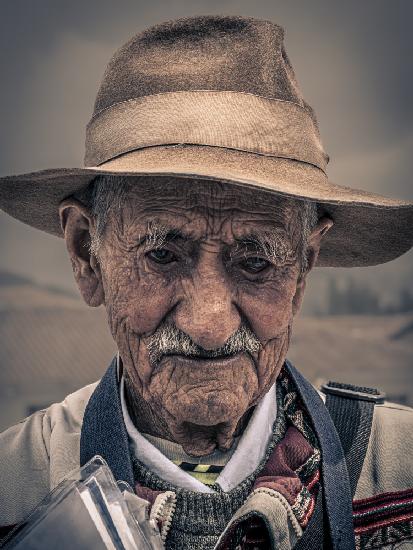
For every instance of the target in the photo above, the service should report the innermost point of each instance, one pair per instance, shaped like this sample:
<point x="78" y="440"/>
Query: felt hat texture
<point x="215" y="98"/>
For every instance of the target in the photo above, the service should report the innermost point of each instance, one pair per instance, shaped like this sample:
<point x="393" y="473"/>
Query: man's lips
<point x="222" y="362"/>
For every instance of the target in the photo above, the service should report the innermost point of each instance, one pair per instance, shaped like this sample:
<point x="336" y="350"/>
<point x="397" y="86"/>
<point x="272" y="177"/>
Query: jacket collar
<point x="103" y="430"/>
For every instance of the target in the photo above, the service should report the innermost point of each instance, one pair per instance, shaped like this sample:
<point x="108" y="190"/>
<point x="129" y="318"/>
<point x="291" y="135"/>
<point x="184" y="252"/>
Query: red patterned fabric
<point x="280" y="473"/>
<point x="382" y="510"/>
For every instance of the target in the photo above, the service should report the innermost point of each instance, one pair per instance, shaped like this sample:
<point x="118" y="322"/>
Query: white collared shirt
<point x="249" y="452"/>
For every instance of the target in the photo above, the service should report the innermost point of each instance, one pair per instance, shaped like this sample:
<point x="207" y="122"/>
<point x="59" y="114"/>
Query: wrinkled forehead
<point x="206" y="198"/>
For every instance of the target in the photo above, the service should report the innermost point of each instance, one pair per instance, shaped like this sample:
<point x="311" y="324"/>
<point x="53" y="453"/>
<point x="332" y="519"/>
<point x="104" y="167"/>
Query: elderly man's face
<point x="201" y="283"/>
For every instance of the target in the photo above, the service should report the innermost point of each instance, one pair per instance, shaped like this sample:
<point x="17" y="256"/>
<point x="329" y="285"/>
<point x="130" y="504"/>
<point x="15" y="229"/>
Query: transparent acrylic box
<point x="87" y="511"/>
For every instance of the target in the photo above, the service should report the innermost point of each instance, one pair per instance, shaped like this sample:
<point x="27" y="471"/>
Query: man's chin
<point x="207" y="418"/>
<point x="202" y="400"/>
<point x="198" y="440"/>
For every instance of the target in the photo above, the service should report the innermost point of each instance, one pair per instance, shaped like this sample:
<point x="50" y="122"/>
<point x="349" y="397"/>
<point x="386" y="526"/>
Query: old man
<point x="203" y="206"/>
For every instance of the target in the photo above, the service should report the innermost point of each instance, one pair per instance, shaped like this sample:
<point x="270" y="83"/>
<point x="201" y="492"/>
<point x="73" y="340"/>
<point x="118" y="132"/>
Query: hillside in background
<point x="51" y="344"/>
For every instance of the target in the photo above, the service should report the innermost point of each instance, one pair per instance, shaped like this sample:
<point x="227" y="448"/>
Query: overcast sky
<point x="352" y="59"/>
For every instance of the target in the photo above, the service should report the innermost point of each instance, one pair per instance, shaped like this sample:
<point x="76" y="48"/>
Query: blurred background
<point x="353" y="61"/>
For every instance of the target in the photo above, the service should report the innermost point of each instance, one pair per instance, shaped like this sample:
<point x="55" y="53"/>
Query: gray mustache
<point x="169" y="340"/>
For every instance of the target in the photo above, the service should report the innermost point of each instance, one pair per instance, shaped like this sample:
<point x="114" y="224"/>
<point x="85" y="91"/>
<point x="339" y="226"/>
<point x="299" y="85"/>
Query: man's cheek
<point x="269" y="318"/>
<point x="272" y="353"/>
<point x="142" y="305"/>
<point x="135" y="359"/>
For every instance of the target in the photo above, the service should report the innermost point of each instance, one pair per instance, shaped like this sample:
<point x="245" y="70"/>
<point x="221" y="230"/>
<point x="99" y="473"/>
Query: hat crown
<point x="221" y="53"/>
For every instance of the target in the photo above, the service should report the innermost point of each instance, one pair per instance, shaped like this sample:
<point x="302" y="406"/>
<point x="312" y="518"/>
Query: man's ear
<point x="313" y="249"/>
<point x="77" y="225"/>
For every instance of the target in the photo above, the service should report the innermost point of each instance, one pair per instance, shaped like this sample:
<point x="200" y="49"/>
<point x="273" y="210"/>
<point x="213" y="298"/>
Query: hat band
<point x="234" y="120"/>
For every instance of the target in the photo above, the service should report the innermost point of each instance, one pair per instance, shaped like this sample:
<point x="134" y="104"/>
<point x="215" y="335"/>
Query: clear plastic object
<point x="88" y="511"/>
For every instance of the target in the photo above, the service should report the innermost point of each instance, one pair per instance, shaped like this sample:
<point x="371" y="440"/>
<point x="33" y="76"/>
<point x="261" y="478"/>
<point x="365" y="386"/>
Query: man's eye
<point x="161" y="256"/>
<point x="255" y="264"/>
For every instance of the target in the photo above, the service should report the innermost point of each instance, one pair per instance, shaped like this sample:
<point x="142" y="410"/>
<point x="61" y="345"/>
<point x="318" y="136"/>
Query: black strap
<point x="335" y="481"/>
<point x="351" y="408"/>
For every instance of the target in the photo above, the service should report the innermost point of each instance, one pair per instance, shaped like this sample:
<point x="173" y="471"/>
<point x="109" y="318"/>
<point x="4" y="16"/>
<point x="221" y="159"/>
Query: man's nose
<point x="207" y="312"/>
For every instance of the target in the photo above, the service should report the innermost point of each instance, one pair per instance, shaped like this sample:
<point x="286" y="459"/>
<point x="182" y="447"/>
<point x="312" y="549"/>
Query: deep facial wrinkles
<point x="206" y="291"/>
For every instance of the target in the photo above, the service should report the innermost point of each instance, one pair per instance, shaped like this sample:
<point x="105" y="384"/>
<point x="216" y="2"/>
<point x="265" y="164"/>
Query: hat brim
<point x="368" y="229"/>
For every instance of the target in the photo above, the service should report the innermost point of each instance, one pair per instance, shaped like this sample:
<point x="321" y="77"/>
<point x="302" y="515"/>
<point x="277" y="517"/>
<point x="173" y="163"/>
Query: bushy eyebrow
<point x="157" y="235"/>
<point x="272" y="244"/>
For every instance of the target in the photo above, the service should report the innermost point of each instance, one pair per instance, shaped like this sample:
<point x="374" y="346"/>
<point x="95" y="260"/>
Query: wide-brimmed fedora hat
<point x="215" y="97"/>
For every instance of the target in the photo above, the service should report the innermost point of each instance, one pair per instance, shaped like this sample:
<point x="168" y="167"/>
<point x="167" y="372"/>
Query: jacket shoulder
<point x="388" y="466"/>
<point x="38" y="452"/>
